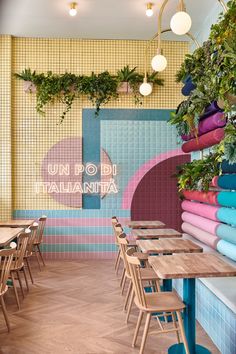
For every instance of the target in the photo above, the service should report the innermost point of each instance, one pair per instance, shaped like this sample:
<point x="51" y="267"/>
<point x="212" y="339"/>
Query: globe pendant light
<point x="180" y="23"/>
<point x="159" y="62"/>
<point x="145" y="88"/>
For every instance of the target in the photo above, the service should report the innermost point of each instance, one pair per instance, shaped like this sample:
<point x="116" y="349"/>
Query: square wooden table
<point x="7" y="234"/>
<point x="16" y="223"/>
<point x="168" y="246"/>
<point x="189" y="267"/>
<point x="145" y="224"/>
<point x="155" y="233"/>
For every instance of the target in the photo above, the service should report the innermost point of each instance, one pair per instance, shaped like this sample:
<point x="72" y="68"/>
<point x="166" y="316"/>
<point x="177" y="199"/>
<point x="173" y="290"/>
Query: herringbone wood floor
<point x="75" y="307"/>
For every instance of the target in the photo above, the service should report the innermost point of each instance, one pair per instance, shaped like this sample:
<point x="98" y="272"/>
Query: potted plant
<point x="99" y="88"/>
<point x="128" y="80"/>
<point x="28" y="77"/>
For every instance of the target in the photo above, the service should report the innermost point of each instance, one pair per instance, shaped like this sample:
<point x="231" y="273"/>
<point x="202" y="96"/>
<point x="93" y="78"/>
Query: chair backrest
<point x="123" y="243"/>
<point x="118" y="229"/>
<point x="32" y="237"/>
<point x="134" y="267"/>
<point x="22" y="241"/>
<point x="6" y="257"/>
<point x="42" y="222"/>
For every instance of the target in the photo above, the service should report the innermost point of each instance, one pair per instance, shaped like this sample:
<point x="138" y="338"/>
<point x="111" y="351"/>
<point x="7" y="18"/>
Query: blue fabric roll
<point x="227" y="199"/>
<point x="188" y="87"/>
<point x="227" y="248"/>
<point x="227" y="215"/>
<point x="227" y="233"/>
<point x="227" y="181"/>
<point x="228" y="168"/>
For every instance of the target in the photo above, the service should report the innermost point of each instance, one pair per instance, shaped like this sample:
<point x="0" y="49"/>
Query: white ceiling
<point x="96" y="19"/>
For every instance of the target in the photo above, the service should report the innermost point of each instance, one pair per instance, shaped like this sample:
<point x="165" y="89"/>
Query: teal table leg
<point x="189" y="322"/>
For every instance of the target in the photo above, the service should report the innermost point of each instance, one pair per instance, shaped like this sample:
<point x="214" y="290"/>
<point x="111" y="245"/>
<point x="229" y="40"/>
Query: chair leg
<point x="15" y="290"/>
<point x="117" y="259"/>
<point x="175" y="325"/>
<point x="40" y="254"/>
<point x="131" y="300"/>
<point x="26" y="280"/>
<point x="145" y="332"/>
<point x="127" y="295"/>
<point x="4" y="310"/>
<point x="140" y="317"/>
<point x="29" y="270"/>
<point x="118" y="265"/>
<point x="20" y="282"/>
<point x="37" y="257"/>
<point x="181" y="327"/>
<point x="122" y="277"/>
<point x="123" y="285"/>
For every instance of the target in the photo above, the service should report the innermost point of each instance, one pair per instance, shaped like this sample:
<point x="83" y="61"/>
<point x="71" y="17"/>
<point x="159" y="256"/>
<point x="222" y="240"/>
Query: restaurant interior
<point x="117" y="177"/>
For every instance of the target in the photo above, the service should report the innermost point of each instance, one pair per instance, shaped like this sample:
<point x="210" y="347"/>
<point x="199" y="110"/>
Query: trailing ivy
<point x="98" y="88"/>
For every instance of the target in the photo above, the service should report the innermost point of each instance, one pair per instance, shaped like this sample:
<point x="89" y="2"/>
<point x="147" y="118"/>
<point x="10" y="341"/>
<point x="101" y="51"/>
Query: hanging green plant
<point x="99" y="89"/>
<point x="227" y="146"/>
<point x="198" y="174"/>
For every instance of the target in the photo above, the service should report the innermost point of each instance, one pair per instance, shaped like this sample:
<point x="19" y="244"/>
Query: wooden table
<point x="16" y="223"/>
<point x="168" y="246"/>
<point x="155" y="233"/>
<point x="7" y="234"/>
<point x="141" y="224"/>
<point x="189" y="267"/>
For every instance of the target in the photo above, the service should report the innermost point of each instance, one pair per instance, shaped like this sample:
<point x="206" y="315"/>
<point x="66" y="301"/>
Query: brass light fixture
<point x="149" y="9"/>
<point x="73" y="9"/>
<point x="180" y="24"/>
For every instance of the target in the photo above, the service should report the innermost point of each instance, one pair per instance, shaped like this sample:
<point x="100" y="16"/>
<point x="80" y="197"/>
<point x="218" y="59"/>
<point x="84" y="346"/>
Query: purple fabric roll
<point x="210" y="123"/>
<point x="211" y="109"/>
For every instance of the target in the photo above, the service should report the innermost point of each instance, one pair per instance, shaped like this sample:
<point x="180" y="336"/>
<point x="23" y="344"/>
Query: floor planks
<point x="75" y="307"/>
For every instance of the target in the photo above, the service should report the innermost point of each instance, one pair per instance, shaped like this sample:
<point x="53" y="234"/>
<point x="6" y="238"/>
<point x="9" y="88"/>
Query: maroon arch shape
<point x="156" y="196"/>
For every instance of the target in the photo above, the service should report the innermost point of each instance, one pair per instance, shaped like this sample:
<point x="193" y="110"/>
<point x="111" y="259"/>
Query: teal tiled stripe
<point x="71" y="213"/>
<point x="102" y="247"/>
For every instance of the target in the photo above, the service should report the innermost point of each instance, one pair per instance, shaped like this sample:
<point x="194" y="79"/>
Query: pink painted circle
<point x="59" y="173"/>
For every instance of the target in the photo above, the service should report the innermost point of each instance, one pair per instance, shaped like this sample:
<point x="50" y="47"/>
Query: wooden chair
<point x="114" y="221"/>
<point x="18" y="263"/>
<point x="6" y="257"/>
<point x="152" y="303"/>
<point x="29" y="250"/>
<point x="147" y="274"/>
<point x="39" y="239"/>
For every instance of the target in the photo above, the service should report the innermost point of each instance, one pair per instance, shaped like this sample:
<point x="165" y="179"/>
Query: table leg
<point x="189" y="322"/>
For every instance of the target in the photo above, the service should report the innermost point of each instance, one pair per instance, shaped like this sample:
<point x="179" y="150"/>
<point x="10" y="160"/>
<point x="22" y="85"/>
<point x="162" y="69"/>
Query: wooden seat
<point x="6" y="257"/>
<point x="29" y="250"/>
<point x="146" y="274"/>
<point x="151" y="303"/>
<point x="39" y="239"/>
<point x="18" y="263"/>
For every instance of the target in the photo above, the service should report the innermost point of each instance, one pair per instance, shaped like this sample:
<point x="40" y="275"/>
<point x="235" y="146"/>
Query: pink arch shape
<point x="140" y="173"/>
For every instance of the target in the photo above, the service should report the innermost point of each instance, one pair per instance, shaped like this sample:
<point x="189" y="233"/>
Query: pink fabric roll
<point x="203" y="223"/>
<point x="214" y="182"/>
<point x="210" y="123"/>
<point x="207" y="211"/>
<point x="204" y="197"/>
<point x="203" y="236"/>
<point x="204" y="141"/>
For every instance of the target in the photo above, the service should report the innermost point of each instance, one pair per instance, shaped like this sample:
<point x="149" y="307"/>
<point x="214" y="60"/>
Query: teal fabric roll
<point x="227" y="248"/>
<point x="227" y="233"/>
<point x="227" y="199"/>
<point x="228" y="168"/>
<point x="227" y="215"/>
<point x="227" y="181"/>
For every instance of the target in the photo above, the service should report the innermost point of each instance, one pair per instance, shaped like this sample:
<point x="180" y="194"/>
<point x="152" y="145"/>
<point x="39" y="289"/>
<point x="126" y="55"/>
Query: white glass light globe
<point x="73" y="12"/>
<point x="159" y="62"/>
<point x="149" y="12"/>
<point x="180" y="23"/>
<point x="145" y="89"/>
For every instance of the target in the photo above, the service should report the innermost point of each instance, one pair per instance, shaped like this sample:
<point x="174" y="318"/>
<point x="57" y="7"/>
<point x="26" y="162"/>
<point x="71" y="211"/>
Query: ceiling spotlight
<point x="149" y="10"/>
<point x="73" y="9"/>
